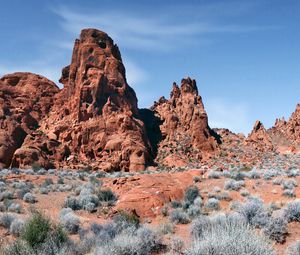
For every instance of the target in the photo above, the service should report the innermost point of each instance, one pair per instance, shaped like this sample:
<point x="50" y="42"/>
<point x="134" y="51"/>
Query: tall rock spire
<point x="95" y="117"/>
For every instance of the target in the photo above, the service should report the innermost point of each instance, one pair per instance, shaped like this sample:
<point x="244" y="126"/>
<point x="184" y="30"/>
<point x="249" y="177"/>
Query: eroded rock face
<point x="184" y="123"/>
<point x="292" y="126"/>
<point x="25" y="99"/>
<point x="145" y="195"/>
<point x="259" y="138"/>
<point x="95" y="120"/>
<point x="286" y="134"/>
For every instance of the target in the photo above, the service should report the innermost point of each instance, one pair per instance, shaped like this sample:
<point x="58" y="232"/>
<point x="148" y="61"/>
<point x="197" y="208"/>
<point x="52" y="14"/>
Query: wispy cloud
<point x="134" y="73"/>
<point x="225" y="114"/>
<point x="162" y="32"/>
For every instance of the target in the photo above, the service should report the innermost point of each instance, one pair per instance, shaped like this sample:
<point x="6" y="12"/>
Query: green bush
<point x="127" y="219"/>
<point x="106" y="195"/>
<point x="36" y="230"/>
<point x="191" y="194"/>
<point x="39" y="228"/>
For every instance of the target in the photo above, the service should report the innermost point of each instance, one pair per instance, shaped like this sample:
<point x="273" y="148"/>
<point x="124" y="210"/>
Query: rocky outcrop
<point x="286" y="134"/>
<point x="95" y="120"/>
<point x="25" y="99"/>
<point x="291" y="128"/>
<point x="184" y="124"/>
<point x="259" y="138"/>
<point x="146" y="194"/>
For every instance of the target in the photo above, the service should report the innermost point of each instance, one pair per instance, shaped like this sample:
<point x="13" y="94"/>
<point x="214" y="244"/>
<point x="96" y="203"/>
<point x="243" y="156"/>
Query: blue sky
<point x="244" y="54"/>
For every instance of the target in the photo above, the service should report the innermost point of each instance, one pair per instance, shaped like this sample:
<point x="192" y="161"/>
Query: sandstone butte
<point x="94" y="120"/>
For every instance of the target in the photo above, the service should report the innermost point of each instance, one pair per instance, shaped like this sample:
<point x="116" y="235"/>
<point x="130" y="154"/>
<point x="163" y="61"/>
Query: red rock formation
<point x="292" y="127"/>
<point x="286" y="134"/>
<point x="146" y="194"/>
<point x="25" y="99"/>
<point x="259" y="138"/>
<point x="184" y="127"/>
<point x="95" y="120"/>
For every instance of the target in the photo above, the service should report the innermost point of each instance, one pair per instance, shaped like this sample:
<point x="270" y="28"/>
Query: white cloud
<point x="163" y="32"/>
<point x="225" y="114"/>
<point x="134" y="73"/>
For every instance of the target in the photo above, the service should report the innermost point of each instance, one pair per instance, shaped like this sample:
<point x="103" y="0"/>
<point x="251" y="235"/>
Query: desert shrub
<point x="42" y="236"/>
<point x="276" y="230"/>
<point x="199" y="225"/>
<point x="166" y="228"/>
<point x="289" y="193"/>
<point x="289" y="184"/>
<point x="142" y="241"/>
<point x="47" y="182"/>
<point x="176" y="204"/>
<point x="19" y="247"/>
<point x="214" y="175"/>
<point x="277" y="181"/>
<point x="69" y="221"/>
<point x="198" y="201"/>
<point x="292" y="211"/>
<point x="72" y="202"/>
<point x="22" y="191"/>
<point x="164" y="210"/>
<point x="193" y="211"/>
<point x="238" y="175"/>
<point x="191" y="194"/>
<point x="41" y="172"/>
<point x="250" y="211"/>
<point x="6" y="195"/>
<point x="211" y="195"/>
<point x="90" y="207"/>
<point x="253" y="174"/>
<point x="186" y="205"/>
<point x="273" y="207"/>
<point x="18" y="185"/>
<point x="226" y="174"/>
<point x="292" y="172"/>
<point x="2" y="207"/>
<point x="6" y="220"/>
<point x="178" y="216"/>
<point x="29" y="171"/>
<point x="261" y="219"/>
<point x="234" y="185"/>
<point x="65" y="187"/>
<point x="124" y="220"/>
<point x="87" y="201"/>
<point x="29" y="198"/>
<point x="36" y="230"/>
<point x="14" y="207"/>
<point x="226" y="235"/>
<point x="294" y="249"/>
<point x="269" y="174"/>
<point x="212" y="204"/>
<point x="176" y="245"/>
<point x="87" y="243"/>
<point x="224" y="196"/>
<point x="16" y="227"/>
<point x="51" y="171"/>
<point x="44" y="191"/>
<point x="60" y="180"/>
<point x="244" y="193"/>
<point x="234" y="205"/>
<point x="81" y="176"/>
